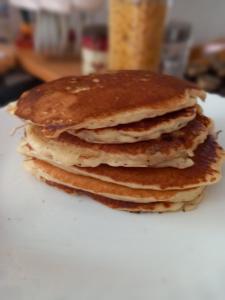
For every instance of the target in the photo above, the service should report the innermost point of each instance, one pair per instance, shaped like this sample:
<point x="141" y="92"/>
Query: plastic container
<point x="94" y="49"/>
<point x="136" y="33"/>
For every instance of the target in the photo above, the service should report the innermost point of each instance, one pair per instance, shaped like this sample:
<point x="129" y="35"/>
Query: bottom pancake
<point x="156" y="207"/>
<point x="159" y="207"/>
<point x="44" y="170"/>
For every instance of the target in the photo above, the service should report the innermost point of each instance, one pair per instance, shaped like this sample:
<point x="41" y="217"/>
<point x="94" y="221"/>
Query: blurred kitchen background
<point x="42" y="40"/>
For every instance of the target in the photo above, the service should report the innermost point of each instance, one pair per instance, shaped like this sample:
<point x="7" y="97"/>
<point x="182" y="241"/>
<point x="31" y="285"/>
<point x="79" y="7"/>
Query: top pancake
<point x="104" y="100"/>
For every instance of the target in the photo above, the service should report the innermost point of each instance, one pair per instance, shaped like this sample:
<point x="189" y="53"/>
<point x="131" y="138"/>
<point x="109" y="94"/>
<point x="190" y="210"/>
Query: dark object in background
<point x="14" y="83"/>
<point x="209" y="74"/>
<point x="196" y="69"/>
<point x="219" y="67"/>
<point x="207" y="66"/>
<point x="209" y="82"/>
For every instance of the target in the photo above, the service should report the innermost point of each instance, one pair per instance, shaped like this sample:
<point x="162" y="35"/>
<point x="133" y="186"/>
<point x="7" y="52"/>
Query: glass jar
<point x="5" y="26"/>
<point x="136" y="33"/>
<point x="176" y="49"/>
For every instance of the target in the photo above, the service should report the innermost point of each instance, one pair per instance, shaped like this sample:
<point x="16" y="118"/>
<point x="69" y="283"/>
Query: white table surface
<point x="55" y="246"/>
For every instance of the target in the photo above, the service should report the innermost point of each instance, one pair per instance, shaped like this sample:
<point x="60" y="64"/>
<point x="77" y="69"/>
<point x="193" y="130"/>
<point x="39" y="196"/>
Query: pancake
<point x="140" y="131"/>
<point x="208" y="159"/>
<point x="160" y="207"/>
<point x="43" y="170"/>
<point x="69" y="150"/>
<point x="104" y="100"/>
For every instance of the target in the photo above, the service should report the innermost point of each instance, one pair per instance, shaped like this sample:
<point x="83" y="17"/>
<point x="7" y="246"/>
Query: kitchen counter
<point x="47" y="69"/>
<point x="7" y="58"/>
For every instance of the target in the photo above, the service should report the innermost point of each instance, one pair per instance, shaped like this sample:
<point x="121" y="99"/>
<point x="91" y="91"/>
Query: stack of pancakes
<point x="132" y="140"/>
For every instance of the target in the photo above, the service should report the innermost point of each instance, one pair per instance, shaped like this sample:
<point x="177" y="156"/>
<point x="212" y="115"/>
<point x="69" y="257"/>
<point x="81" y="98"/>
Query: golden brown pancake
<point x="46" y="171"/>
<point x="206" y="170"/>
<point x="159" y="207"/>
<point x="68" y="150"/>
<point x="143" y="130"/>
<point x="104" y="100"/>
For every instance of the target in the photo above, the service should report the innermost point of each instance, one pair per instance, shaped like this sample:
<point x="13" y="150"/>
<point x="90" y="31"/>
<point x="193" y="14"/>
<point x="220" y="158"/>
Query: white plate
<point x="54" y="246"/>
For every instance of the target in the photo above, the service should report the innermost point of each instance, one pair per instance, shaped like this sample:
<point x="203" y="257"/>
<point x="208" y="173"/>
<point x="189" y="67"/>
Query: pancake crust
<point x="206" y="170"/>
<point x="43" y="170"/>
<point x="69" y="150"/>
<point x="104" y="100"/>
<point x="160" y="207"/>
<point x="208" y="160"/>
<point x="144" y="130"/>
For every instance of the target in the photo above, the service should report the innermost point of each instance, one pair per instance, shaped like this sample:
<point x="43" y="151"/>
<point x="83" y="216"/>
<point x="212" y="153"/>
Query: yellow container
<point x="136" y="33"/>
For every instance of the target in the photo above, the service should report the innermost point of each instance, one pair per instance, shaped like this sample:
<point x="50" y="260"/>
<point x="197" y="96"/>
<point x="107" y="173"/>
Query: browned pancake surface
<point x="206" y="169"/>
<point x="147" y="124"/>
<point x="128" y="206"/>
<point x="182" y="139"/>
<point x="142" y="207"/>
<point x="71" y="100"/>
<point x="45" y="171"/>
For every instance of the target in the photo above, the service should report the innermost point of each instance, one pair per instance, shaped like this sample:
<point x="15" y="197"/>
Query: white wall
<point x="207" y="17"/>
